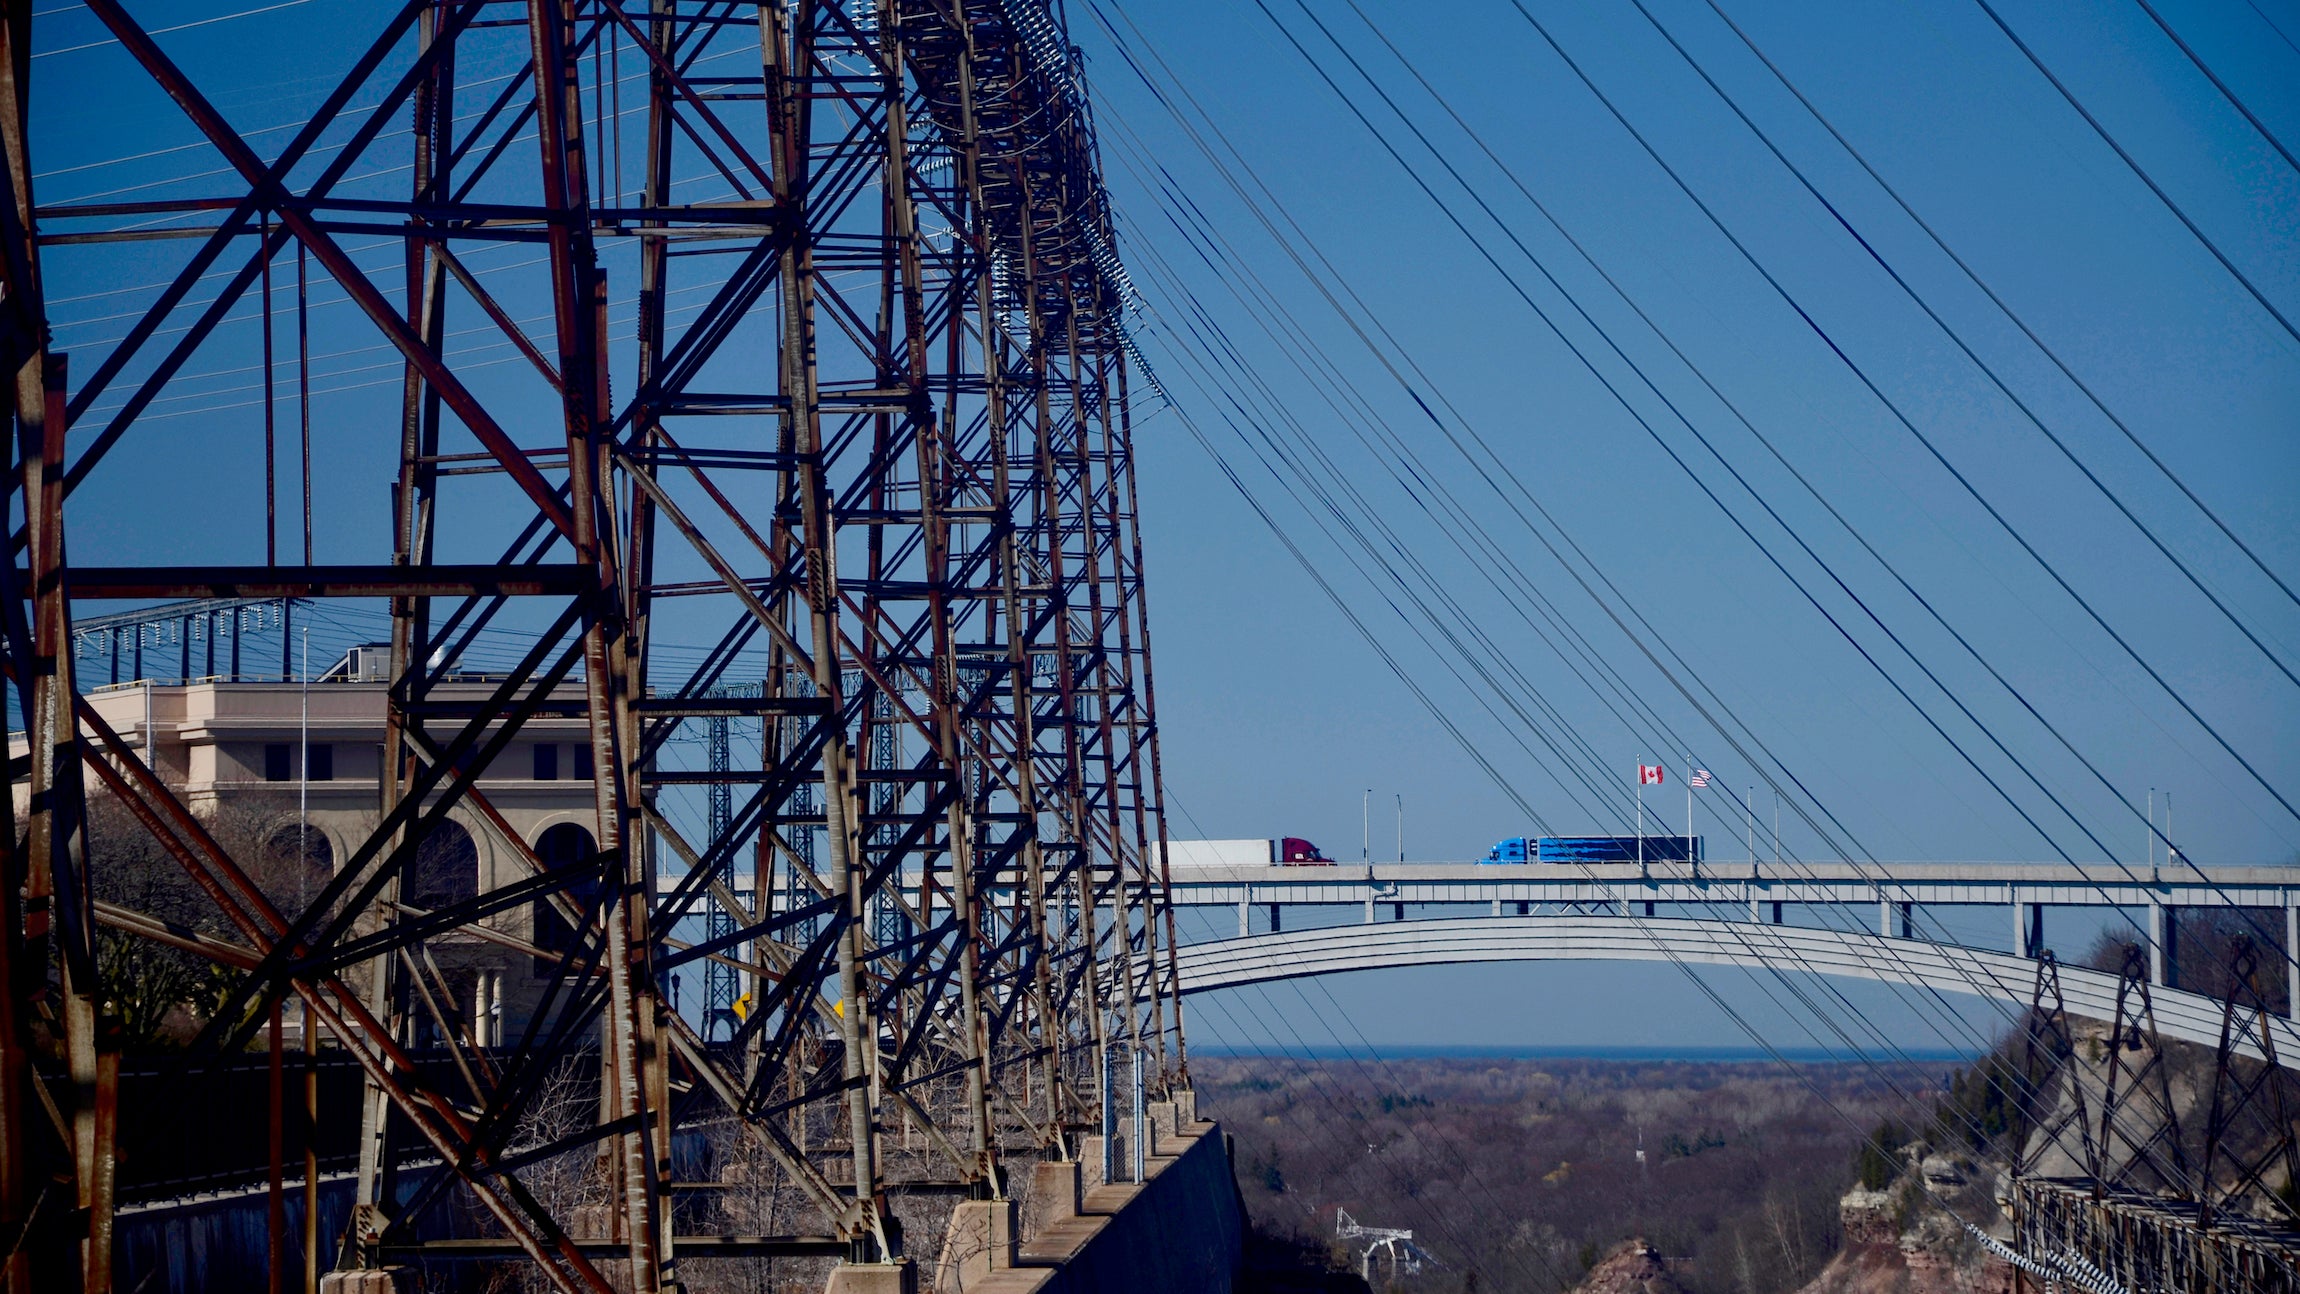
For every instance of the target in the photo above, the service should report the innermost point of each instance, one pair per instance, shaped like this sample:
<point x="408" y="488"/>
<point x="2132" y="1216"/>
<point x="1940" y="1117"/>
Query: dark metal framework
<point x="2158" y="1206"/>
<point x="187" y="640"/>
<point x="866" y="434"/>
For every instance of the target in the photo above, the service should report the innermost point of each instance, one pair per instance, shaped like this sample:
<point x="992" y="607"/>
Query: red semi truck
<point x="1293" y="851"/>
<point x="1286" y="851"/>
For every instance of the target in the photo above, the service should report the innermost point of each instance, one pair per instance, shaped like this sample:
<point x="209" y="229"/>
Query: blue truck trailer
<point x="1595" y="849"/>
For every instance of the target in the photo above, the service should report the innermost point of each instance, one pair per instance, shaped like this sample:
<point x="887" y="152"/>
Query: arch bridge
<point x="1761" y="916"/>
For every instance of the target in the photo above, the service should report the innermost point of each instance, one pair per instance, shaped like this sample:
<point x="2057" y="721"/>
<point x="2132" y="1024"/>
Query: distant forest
<point x="1518" y="1175"/>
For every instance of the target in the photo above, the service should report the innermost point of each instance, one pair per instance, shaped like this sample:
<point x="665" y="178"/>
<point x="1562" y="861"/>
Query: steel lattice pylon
<point x="881" y="443"/>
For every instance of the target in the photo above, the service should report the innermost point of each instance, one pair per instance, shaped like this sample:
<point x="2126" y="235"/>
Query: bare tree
<point x="569" y="1184"/>
<point x="142" y="985"/>
<point x="154" y="994"/>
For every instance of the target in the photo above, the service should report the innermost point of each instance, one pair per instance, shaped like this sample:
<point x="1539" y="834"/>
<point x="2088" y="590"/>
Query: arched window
<point x="446" y="869"/>
<point x="296" y="871"/>
<point x="565" y="843"/>
<point x="558" y="846"/>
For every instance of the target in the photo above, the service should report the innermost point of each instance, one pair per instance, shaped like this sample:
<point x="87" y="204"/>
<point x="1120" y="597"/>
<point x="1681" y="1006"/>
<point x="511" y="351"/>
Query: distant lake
<point x="1800" y="1055"/>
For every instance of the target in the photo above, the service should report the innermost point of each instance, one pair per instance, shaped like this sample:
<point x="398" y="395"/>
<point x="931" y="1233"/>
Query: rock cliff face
<point x="1907" y="1238"/>
<point x="1634" y="1268"/>
<point x="1896" y="1243"/>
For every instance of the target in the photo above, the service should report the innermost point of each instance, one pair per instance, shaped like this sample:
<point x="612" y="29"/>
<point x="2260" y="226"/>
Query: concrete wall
<point x="220" y="1242"/>
<point x="1183" y="1231"/>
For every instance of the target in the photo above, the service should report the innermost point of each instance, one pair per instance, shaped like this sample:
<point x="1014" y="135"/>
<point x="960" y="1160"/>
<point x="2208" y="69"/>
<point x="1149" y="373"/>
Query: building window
<point x="295" y="874"/>
<point x="583" y="763"/>
<point x="445" y="870"/>
<point x="546" y="762"/>
<point x="554" y="935"/>
<point x="280" y="762"/>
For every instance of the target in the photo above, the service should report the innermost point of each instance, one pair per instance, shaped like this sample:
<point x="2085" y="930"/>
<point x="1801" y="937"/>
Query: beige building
<point x="269" y="755"/>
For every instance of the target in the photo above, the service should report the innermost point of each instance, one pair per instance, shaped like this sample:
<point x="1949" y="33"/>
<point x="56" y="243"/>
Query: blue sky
<point x="1283" y="718"/>
<point x="1278" y="716"/>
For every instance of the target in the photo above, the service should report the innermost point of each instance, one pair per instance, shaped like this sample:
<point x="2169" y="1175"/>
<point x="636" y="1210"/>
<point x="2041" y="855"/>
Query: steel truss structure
<point x="832" y="376"/>
<point x="2159" y="1206"/>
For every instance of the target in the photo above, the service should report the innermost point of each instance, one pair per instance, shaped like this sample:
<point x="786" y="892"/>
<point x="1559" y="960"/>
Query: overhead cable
<point x="2135" y="167"/>
<point x="1927" y="442"/>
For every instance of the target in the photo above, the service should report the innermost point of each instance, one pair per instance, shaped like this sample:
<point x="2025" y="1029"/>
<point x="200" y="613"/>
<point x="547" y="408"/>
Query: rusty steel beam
<point x="22" y="976"/>
<point x="885" y="433"/>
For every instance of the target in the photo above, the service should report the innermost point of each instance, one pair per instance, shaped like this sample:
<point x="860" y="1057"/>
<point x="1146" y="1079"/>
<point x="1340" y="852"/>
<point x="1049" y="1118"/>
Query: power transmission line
<point x="1901" y="417"/>
<point x="2138" y="171"/>
<point x="1508" y="789"/>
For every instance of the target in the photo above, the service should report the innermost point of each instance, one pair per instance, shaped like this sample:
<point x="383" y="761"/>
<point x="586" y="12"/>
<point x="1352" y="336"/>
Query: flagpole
<point x="1689" y="858"/>
<point x="1641" y="819"/>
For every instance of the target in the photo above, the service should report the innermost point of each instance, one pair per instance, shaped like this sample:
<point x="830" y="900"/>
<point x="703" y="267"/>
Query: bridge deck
<point x="2002" y="884"/>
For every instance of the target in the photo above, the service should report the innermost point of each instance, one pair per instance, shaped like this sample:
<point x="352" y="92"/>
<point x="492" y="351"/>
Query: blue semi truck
<point x="1595" y="849"/>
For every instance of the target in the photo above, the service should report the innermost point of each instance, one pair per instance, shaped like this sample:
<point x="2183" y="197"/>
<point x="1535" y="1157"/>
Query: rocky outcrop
<point x="1868" y="1218"/>
<point x="1634" y="1268"/>
<point x="1897" y="1243"/>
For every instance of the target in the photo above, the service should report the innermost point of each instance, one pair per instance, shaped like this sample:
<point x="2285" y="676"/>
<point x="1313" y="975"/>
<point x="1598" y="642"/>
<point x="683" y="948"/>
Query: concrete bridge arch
<point x="1949" y="968"/>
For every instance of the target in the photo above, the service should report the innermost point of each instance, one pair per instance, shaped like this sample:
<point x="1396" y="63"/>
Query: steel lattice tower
<point x="855" y="403"/>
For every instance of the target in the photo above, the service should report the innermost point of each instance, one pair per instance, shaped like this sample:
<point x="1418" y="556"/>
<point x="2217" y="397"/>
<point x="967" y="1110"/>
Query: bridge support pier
<point x="2028" y="929"/>
<point x="1884" y="915"/>
<point x="2163" y="925"/>
<point x="1245" y="921"/>
<point x="1891" y="914"/>
<point x="874" y="1278"/>
<point x="2291" y="961"/>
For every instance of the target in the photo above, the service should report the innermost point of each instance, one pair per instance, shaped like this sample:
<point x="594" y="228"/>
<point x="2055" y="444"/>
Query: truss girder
<point x="819" y="308"/>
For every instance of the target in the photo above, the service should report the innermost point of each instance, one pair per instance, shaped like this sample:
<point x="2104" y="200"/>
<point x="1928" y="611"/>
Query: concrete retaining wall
<point x="220" y="1242"/>
<point x="1179" y="1232"/>
<point x="1183" y="1232"/>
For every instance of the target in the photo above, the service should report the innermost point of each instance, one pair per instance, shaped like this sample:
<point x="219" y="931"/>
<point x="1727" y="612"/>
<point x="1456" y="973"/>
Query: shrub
<point x="1878" y="1159"/>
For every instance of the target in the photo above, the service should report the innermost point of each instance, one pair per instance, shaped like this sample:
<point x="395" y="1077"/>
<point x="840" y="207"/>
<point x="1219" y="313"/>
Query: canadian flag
<point x="1649" y="774"/>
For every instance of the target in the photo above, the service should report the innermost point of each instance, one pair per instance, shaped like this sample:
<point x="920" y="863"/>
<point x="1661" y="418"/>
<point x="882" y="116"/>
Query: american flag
<point x="1699" y="779"/>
